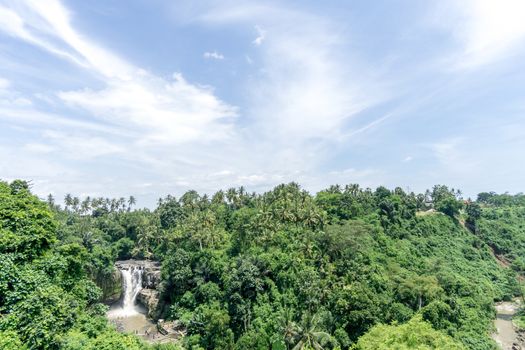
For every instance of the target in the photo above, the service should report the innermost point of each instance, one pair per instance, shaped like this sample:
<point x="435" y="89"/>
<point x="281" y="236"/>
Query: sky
<point x="149" y="97"/>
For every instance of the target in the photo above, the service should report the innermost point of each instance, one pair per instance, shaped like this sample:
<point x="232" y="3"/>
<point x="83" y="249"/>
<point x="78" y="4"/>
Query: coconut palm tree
<point x="85" y="205"/>
<point x="308" y="334"/>
<point x="68" y="200"/>
<point x="76" y="203"/>
<point x="51" y="201"/>
<point x="131" y="202"/>
<point x="288" y="327"/>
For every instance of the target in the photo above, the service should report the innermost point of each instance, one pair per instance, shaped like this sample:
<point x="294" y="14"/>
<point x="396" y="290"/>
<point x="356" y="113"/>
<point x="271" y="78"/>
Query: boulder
<point x="149" y="298"/>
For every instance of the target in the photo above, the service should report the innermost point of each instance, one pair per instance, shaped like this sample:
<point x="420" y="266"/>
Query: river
<point x="506" y="335"/>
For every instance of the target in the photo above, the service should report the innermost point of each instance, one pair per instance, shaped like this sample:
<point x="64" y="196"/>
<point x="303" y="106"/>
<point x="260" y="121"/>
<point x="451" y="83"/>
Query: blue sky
<point x="150" y="97"/>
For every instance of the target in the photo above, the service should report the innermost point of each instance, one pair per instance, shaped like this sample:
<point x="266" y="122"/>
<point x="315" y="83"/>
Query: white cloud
<point x="261" y="35"/>
<point x="13" y="24"/>
<point x="408" y="159"/>
<point x="177" y="134"/>
<point x="453" y="157"/>
<point x="27" y="115"/>
<point x="488" y="30"/>
<point x="32" y="166"/>
<point x="308" y="89"/>
<point x="226" y="12"/>
<point x="170" y="111"/>
<point x="81" y="146"/>
<point x="4" y="84"/>
<point x="165" y="111"/>
<point x="213" y="55"/>
<point x="38" y="148"/>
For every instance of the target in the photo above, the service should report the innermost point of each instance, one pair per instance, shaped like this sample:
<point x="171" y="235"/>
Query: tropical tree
<point x="309" y="335"/>
<point x="131" y="202"/>
<point x="68" y="201"/>
<point x="415" y="334"/>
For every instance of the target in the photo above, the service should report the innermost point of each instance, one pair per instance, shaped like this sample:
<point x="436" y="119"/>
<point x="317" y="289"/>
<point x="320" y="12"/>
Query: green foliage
<point x="503" y="229"/>
<point x="27" y="227"/>
<point x="501" y="200"/>
<point x="415" y="334"/>
<point x="281" y="270"/>
<point x="46" y="299"/>
<point x="9" y="340"/>
<point x="108" y="340"/>
<point x="446" y="201"/>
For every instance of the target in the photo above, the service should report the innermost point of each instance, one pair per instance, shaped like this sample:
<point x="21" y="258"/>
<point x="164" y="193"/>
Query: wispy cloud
<point x="306" y="87"/>
<point x="213" y="55"/>
<point x="171" y="111"/>
<point x="487" y="30"/>
<point x="130" y="116"/>
<point x="261" y="35"/>
<point x="165" y="111"/>
<point x="4" y="84"/>
<point x="304" y="93"/>
<point x="453" y="157"/>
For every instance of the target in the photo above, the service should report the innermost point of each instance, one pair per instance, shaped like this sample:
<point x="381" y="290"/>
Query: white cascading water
<point x="131" y="286"/>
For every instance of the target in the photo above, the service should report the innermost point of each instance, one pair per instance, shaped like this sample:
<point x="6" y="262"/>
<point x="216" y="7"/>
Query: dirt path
<point x="506" y="335"/>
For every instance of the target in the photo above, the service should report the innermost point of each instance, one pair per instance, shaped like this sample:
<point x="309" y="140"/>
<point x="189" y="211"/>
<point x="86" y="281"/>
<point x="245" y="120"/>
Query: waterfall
<point x="131" y="286"/>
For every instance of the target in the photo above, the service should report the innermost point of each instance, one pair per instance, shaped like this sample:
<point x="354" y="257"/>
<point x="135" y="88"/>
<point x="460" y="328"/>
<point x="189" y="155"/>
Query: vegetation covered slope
<point x="346" y="268"/>
<point x="47" y="300"/>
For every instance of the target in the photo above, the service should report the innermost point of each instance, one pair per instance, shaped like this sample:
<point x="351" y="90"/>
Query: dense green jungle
<point x="346" y="268"/>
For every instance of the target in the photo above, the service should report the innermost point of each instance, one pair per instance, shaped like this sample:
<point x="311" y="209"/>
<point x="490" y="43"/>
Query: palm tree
<point x="76" y="203"/>
<point x="51" y="201"/>
<point x="107" y="204"/>
<point x="86" y="204"/>
<point x="131" y="202"/>
<point x="68" y="200"/>
<point x="144" y="237"/>
<point x="353" y="189"/>
<point x="308" y="334"/>
<point x="218" y="197"/>
<point x="288" y="327"/>
<point x="113" y="204"/>
<point x="231" y="194"/>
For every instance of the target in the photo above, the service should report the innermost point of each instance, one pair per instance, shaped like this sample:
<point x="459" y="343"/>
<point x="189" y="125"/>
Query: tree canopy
<point x="348" y="267"/>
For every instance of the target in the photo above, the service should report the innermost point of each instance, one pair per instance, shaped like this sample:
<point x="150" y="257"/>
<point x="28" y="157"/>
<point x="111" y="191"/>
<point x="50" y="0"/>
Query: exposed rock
<point x="150" y="299"/>
<point x="172" y="329"/>
<point x="151" y="278"/>
<point x="111" y="286"/>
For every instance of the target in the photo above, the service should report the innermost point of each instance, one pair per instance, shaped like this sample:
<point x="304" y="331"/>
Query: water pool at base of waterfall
<point x="136" y="323"/>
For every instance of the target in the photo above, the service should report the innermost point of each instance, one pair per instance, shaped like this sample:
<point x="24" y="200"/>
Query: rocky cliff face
<point x="111" y="285"/>
<point x="150" y="299"/>
<point x="151" y="278"/>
